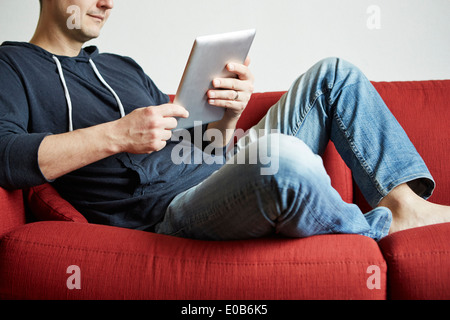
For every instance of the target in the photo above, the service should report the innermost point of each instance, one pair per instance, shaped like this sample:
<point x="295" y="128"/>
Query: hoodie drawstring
<point x="99" y="76"/>
<point x="67" y="94"/>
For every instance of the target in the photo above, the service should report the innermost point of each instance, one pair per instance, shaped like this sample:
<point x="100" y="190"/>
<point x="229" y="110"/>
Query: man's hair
<point x="40" y="2"/>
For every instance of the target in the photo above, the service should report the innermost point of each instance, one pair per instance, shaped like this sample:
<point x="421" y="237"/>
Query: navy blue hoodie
<point x="38" y="99"/>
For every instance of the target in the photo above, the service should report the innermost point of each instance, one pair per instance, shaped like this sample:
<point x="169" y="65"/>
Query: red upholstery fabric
<point x="423" y="109"/>
<point x="47" y="205"/>
<point x="419" y="263"/>
<point x="124" y="264"/>
<point x="12" y="211"/>
<point x="257" y="108"/>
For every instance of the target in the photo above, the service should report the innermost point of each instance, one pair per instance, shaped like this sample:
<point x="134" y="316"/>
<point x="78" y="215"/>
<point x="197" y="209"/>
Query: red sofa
<point x="42" y="236"/>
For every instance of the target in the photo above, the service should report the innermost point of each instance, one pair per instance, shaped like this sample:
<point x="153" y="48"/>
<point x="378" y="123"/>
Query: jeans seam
<point x="369" y="172"/>
<point x="304" y="115"/>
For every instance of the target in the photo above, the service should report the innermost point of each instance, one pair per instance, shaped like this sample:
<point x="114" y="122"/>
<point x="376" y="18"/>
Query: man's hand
<point x="147" y="130"/>
<point x="233" y="93"/>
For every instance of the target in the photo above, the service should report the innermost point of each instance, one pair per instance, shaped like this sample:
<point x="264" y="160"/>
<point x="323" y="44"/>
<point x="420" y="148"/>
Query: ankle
<point x="400" y="200"/>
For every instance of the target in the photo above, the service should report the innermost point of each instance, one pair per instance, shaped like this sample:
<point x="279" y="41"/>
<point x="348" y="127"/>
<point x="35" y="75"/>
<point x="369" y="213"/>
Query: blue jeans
<point x="294" y="197"/>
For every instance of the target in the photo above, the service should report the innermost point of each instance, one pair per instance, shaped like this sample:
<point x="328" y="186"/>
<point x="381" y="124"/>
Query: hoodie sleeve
<point x="19" y="166"/>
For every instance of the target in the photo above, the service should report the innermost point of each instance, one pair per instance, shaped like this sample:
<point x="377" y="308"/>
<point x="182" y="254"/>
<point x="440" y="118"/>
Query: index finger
<point x="174" y="110"/>
<point x="241" y="70"/>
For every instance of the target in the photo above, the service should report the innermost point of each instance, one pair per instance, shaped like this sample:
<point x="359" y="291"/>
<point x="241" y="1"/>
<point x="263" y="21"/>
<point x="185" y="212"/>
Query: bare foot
<point x="411" y="211"/>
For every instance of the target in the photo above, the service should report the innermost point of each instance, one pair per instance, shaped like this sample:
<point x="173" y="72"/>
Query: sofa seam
<point x="342" y="262"/>
<point x="418" y="254"/>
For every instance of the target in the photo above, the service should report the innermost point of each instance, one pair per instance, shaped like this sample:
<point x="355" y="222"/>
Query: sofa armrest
<point x="12" y="210"/>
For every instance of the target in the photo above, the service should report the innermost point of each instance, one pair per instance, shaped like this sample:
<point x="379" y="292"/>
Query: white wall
<point x="413" y="42"/>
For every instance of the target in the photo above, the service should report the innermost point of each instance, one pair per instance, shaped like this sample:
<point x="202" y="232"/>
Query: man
<point x="97" y="128"/>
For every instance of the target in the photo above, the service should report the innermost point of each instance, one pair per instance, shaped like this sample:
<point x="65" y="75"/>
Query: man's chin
<point x="87" y="36"/>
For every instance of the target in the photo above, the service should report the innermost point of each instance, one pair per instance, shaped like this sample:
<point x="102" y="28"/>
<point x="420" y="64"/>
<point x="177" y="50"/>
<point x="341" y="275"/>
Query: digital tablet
<point x="207" y="61"/>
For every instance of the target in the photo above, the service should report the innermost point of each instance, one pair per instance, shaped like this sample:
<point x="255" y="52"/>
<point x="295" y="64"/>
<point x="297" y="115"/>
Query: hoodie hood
<point x="85" y="54"/>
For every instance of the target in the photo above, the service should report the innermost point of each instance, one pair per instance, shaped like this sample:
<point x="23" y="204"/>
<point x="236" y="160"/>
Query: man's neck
<point x="56" y="42"/>
<point x="60" y="48"/>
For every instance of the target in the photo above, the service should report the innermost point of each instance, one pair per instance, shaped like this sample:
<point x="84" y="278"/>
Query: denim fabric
<point x="274" y="181"/>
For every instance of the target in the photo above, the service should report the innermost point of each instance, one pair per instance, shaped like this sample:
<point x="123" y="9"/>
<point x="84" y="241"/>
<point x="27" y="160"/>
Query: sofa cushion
<point x="46" y="204"/>
<point x="418" y="263"/>
<point x="118" y="263"/>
